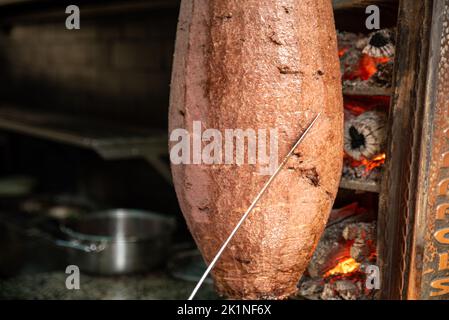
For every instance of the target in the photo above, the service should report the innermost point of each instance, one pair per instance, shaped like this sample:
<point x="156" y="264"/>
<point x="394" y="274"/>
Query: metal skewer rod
<point x="251" y="207"/>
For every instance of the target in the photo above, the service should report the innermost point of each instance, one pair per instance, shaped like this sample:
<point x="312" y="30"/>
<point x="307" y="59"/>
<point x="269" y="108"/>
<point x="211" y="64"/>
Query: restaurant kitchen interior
<point x="83" y="151"/>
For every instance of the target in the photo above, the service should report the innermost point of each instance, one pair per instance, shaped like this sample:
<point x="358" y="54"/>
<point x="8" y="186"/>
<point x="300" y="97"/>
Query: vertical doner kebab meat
<point x="259" y="64"/>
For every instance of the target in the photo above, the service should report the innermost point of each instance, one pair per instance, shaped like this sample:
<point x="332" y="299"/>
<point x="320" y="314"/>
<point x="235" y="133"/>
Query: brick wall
<point x="114" y="67"/>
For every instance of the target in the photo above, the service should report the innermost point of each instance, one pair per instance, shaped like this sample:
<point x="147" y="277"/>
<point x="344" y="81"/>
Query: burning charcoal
<point x="349" y="39"/>
<point x="334" y="273"/>
<point x="362" y="230"/>
<point x="348" y="290"/>
<point x="384" y="74"/>
<point x="350" y="47"/>
<point x="366" y="61"/>
<point x="352" y="172"/>
<point x="360" y="251"/>
<point x="365" y="135"/>
<point x="329" y="292"/>
<point x="326" y="253"/>
<point x="311" y="288"/>
<point x="349" y="62"/>
<point x="330" y="248"/>
<point x="380" y="44"/>
<point x="364" y="236"/>
<point x="365" y="170"/>
<point x="376" y="173"/>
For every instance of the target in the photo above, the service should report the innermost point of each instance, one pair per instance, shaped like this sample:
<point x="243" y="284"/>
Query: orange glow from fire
<point x="367" y="67"/>
<point x="346" y="266"/>
<point x="342" y="52"/>
<point x="370" y="164"/>
<point x="357" y="105"/>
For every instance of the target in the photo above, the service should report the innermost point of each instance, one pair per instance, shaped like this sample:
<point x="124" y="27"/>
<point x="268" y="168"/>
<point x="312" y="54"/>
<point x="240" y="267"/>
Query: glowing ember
<point x="369" y="164"/>
<point x="342" y="52"/>
<point x="367" y="67"/>
<point x="346" y="266"/>
<point x="357" y="105"/>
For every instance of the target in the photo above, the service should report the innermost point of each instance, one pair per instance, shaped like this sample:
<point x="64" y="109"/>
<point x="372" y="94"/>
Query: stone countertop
<point x="51" y="286"/>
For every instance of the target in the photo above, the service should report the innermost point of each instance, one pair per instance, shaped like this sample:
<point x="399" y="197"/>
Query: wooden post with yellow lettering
<point x="428" y="276"/>
<point x="413" y="223"/>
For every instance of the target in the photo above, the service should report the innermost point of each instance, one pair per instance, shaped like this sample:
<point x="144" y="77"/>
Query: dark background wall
<point x="116" y="67"/>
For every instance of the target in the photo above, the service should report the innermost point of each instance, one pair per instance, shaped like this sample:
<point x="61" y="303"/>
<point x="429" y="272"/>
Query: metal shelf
<point x="112" y="141"/>
<point x="370" y="186"/>
<point x="372" y="91"/>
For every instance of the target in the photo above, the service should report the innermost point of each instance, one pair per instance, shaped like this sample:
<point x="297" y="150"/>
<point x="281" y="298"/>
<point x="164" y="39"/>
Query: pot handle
<point x="92" y="247"/>
<point x="71" y="244"/>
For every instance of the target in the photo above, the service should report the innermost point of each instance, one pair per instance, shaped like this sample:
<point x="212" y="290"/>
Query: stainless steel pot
<point x="119" y="241"/>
